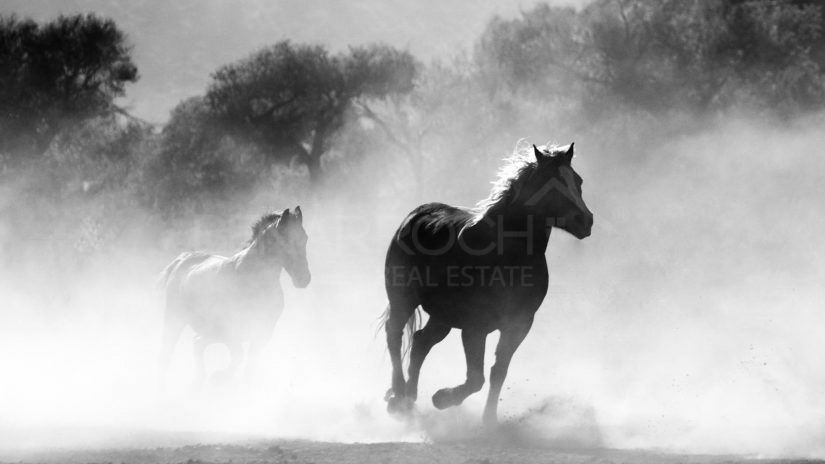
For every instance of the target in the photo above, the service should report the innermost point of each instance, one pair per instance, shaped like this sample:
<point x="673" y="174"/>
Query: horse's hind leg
<point x="400" y="310"/>
<point x="172" y="327"/>
<point x="423" y="340"/>
<point x="236" y="355"/>
<point x="199" y="353"/>
<point x="474" y="342"/>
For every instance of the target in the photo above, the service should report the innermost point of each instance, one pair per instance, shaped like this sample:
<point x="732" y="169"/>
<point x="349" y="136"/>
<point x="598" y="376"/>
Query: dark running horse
<point x="479" y="270"/>
<point x="234" y="300"/>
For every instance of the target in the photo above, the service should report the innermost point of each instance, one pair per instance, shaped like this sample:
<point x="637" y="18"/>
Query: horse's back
<point x="217" y="302"/>
<point x="172" y="273"/>
<point x="437" y="216"/>
<point x="175" y="270"/>
<point x="192" y="276"/>
<point x="204" y="276"/>
<point x="431" y="226"/>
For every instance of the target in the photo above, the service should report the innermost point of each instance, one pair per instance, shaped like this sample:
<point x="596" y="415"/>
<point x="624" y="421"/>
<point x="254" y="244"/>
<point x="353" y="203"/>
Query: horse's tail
<point x="411" y="327"/>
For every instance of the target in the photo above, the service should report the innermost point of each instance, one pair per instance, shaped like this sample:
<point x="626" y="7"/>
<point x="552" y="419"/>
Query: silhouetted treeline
<point x="326" y="117"/>
<point x="56" y="75"/>
<point x="697" y="55"/>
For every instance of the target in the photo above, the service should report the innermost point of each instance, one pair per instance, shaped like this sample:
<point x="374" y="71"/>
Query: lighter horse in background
<point x="234" y="300"/>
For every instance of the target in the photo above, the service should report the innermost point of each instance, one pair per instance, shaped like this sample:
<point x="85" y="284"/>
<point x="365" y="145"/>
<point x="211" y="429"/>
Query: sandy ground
<point x="305" y="452"/>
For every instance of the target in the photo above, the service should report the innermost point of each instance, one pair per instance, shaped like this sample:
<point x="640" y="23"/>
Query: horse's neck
<point x="251" y="260"/>
<point x="513" y="222"/>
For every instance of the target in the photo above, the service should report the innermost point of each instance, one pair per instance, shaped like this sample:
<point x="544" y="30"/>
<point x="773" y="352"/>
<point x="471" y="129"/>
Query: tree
<point x="541" y="51"/>
<point x="100" y="155"/>
<point x="655" y="55"/>
<point x="431" y="123"/>
<point x="291" y="100"/>
<point x="56" y="75"/>
<point x="195" y="162"/>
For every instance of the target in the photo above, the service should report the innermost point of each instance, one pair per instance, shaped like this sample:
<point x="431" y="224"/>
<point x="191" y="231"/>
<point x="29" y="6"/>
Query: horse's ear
<point x="539" y="155"/>
<point x="299" y="215"/>
<point x="567" y="155"/>
<point x="285" y="218"/>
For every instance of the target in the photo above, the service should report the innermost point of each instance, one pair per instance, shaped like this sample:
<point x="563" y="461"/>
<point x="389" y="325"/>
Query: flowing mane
<point x="516" y="169"/>
<point x="262" y="223"/>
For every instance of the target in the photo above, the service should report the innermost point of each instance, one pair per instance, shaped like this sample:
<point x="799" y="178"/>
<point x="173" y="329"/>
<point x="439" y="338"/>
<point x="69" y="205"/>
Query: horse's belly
<point x="484" y="297"/>
<point x="478" y="309"/>
<point x="238" y="319"/>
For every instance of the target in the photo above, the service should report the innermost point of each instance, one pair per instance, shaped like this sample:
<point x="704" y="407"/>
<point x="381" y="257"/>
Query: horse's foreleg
<point x="474" y="342"/>
<point x="511" y="338"/>
<point x="423" y="341"/>
<point x="253" y="355"/>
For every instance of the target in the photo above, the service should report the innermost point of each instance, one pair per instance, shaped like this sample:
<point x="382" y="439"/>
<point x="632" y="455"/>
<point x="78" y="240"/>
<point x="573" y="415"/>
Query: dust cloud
<point x="689" y="321"/>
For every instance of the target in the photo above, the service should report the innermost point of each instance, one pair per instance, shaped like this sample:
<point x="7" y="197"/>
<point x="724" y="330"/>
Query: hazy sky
<point x="178" y="44"/>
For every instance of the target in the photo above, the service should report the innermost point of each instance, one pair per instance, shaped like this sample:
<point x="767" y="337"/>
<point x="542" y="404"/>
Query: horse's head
<point x="554" y="190"/>
<point x="287" y="239"/>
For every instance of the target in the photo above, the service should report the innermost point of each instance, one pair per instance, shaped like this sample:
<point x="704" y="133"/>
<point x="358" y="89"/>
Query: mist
<point x="688" y="322"/>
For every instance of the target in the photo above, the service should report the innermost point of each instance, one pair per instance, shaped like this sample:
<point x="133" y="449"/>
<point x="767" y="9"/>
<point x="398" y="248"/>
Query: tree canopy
<point x="292" y="99"/>
<point x="652" y="54"/>
<point x="56" y="75"/>
<point x="288" y="105"/>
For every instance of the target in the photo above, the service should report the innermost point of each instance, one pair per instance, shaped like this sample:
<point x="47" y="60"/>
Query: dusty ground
<point x="304" y="452"/>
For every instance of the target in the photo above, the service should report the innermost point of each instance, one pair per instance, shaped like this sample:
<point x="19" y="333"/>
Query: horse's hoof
<point x="399" y="406"/>
<point x="443" y="398"/>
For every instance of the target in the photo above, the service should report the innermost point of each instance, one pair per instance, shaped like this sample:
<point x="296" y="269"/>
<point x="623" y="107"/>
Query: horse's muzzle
<point x="584" y="226"/>
<point x="302" y="281"/>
